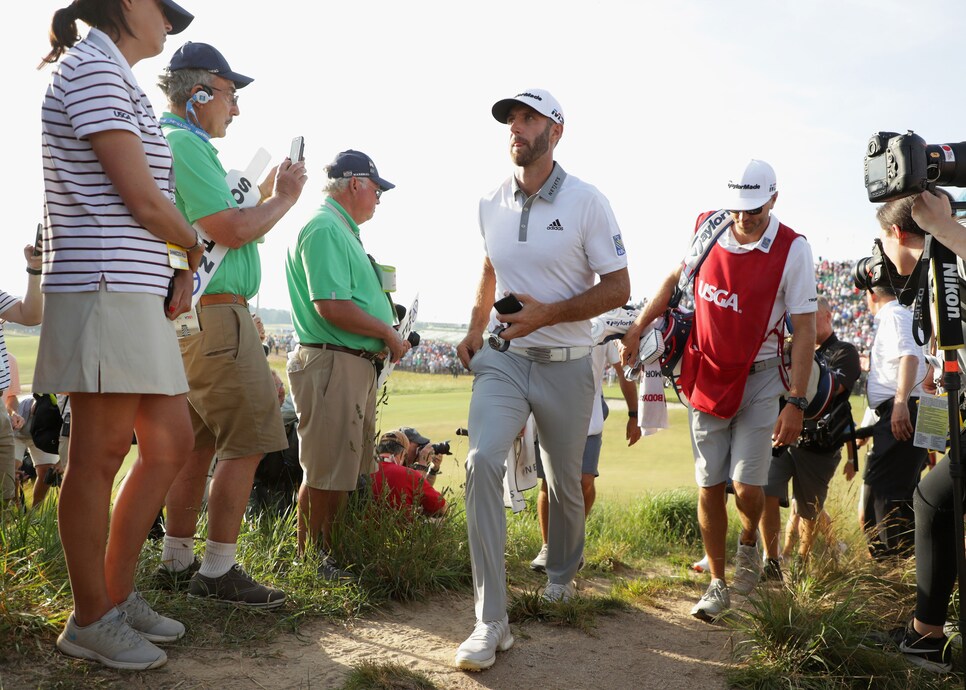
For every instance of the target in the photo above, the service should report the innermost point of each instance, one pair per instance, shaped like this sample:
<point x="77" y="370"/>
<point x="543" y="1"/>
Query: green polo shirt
<point x="200" y="191"/>
<point x="327" y="262"/>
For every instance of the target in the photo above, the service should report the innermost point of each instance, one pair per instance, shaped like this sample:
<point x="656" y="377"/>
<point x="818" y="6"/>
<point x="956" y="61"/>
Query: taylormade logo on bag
<point x="711" y="293"/>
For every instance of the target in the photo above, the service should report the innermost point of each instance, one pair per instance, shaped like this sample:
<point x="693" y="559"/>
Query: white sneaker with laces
<point x="555" y="592"/>
<point x="748" y="569"/>
<point x="539" y="563"/>
<point x="149" y="623"/>
<point x="714" y="602"/>
<point x="110" y="641"/>
<point x="479" y="650"/>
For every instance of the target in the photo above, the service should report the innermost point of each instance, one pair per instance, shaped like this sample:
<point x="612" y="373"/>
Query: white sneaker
<point x="554" y="592"/>
<point x="714" y="602"/>
<point x="110" y="641"/>
<point x="748" y="569"/>
<point x="479" y="650"/>
<point x="539" y="563"/>
<point x="149" y="623"/>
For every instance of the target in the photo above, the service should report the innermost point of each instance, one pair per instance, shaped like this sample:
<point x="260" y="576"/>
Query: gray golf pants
<point x="506" y="388"/>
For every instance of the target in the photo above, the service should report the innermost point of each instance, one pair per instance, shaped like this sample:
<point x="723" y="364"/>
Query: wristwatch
<point x="800" y="403"/>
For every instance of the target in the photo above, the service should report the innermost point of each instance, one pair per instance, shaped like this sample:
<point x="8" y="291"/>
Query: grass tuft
<point x="371" y="675"/>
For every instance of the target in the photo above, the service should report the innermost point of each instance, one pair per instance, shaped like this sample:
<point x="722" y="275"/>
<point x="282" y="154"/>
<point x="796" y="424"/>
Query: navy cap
<point x="206" y="57"/>
<point x="414" y="436"/>
<point x="357" y="164"/>
<point x="177" y="15"/>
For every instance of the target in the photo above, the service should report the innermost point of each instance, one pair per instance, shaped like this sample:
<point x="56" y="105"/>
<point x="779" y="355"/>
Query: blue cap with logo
<point x="206" y="57"/>
<point x="356" y="164"/>
<point x="177" y="15"/>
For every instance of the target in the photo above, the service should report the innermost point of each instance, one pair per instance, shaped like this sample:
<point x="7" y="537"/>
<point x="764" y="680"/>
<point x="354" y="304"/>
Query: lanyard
<point x="181" y="124"/>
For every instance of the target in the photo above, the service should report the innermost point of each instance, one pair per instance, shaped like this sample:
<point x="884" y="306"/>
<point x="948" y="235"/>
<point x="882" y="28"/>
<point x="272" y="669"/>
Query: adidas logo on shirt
<point x="555" y="226"/>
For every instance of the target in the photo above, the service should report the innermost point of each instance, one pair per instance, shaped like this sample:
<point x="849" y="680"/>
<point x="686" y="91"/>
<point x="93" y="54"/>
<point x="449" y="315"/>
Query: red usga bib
<point x="733" y="298"/>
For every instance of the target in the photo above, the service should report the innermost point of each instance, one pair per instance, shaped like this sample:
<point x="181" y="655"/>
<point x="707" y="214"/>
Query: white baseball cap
<point x="538" y="99"/>
<point x="753" y="188"/>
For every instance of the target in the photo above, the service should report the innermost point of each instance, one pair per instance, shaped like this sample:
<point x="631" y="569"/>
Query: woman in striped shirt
<point x="114" y="247"/>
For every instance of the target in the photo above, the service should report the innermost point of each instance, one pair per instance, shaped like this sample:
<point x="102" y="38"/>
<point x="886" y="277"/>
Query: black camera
<point x="899" y="165"/>
<point x="879" y="271"/>
<point x="53" y="477"/>
<point x="442" y="448"/>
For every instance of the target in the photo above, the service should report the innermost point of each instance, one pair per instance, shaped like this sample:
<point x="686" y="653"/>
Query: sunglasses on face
<point x="752" y="212"/>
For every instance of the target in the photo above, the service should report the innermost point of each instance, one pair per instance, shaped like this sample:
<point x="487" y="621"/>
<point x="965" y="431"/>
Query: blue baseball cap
<point x="206" y="57"/>
<point x="177" y="15"/>
<point x="356" y="164"/>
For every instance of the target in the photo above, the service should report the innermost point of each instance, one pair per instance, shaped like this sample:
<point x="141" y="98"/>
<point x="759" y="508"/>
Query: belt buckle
<point x="543" y="354"/>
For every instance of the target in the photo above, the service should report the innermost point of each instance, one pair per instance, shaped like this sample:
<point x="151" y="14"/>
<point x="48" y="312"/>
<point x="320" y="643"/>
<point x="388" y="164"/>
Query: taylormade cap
<point x="206" y="57"/>
<point x="538" y="99"/>
<point x="752" y="188"/>
<point x="177" y="15"/>
<point x="356" y="164"/>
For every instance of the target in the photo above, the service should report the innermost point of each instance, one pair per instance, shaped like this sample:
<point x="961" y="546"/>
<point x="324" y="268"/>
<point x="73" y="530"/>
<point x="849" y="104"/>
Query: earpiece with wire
<point x="204" y="95"/>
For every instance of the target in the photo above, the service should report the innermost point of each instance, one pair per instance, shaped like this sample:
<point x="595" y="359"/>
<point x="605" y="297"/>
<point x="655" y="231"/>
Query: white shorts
<point x="38" y="456"/>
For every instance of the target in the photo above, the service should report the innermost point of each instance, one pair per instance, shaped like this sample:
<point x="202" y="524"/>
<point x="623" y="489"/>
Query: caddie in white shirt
<point x="548" y="236"/>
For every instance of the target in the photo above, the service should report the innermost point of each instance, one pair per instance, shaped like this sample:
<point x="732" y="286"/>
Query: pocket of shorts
<point x="221" y="335"/>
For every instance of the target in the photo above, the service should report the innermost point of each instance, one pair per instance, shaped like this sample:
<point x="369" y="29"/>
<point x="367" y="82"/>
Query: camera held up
<point x="899" y="165"/>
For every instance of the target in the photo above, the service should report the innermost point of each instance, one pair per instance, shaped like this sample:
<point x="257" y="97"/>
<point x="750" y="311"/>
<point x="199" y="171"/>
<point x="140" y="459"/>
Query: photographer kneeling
<point x="423" y="456"/>
<point x="398" y="484"/>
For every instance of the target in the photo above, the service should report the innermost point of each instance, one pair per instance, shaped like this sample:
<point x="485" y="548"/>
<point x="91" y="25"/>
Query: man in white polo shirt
<point x="547" y="236"/>
<point x="733" y="369"/>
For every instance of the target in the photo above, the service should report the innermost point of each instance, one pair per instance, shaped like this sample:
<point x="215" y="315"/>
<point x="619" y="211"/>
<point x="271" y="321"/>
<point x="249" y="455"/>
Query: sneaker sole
<point x="538" y="567"/>
<point x="74" y="650"/>
<point x="242" y="604"/>
<point x="474" y="665"/>
<point x="703" y="615"/>
<point x="159" y="639"/>
<point x="913" y="657"/>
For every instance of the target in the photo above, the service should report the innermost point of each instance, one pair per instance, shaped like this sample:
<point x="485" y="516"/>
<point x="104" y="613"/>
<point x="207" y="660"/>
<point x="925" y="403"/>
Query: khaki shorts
<point x="8" y="462"/>
<point x="234" y="403"/>
<point x="107" y="342"/>
<point x="335" y="399"/>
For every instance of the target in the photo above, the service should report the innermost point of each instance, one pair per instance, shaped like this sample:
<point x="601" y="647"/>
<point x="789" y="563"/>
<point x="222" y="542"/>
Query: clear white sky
<point x="661" y="100"/>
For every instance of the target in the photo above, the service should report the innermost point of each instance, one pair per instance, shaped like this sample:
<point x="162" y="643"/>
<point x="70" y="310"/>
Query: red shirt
<point x="406" y="486"/>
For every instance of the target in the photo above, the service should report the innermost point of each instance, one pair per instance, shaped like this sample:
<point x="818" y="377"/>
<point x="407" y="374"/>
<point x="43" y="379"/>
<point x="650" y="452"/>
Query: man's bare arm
<point x="480" y="315"/>
<point x="653" y="309"/>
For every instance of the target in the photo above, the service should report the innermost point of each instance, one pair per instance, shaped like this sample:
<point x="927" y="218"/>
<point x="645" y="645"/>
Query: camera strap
<point x="921" y="322"/>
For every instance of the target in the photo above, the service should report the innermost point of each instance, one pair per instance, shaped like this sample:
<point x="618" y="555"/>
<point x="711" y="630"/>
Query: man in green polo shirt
<point x="233" y="399"/>
<point x="343" y="320"/>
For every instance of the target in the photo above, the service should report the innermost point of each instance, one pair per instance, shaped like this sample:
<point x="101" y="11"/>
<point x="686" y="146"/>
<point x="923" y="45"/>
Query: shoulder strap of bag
<point x="703" y="240"/>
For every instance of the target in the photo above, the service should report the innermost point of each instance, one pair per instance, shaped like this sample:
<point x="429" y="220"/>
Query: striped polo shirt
<point x="6" y="301"/>
<point x="89" y="233"/>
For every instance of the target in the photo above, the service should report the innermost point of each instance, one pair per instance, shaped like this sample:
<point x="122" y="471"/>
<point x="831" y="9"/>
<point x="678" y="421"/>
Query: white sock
<point x="219" y="558"/>
<point x="178" y="553"/>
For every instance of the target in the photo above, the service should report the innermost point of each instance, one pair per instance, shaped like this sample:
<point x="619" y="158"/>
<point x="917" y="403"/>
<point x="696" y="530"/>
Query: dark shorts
<point x="591" y="458"/>
<point x="810" y="473"/>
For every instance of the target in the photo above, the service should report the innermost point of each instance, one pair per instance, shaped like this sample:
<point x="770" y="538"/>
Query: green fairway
<point x="437" y="405"/>
<point x="24" y="348"/>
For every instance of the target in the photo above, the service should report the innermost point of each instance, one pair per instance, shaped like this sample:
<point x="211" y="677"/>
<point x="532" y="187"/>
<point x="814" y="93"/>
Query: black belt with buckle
<point x="365" y="354"/>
